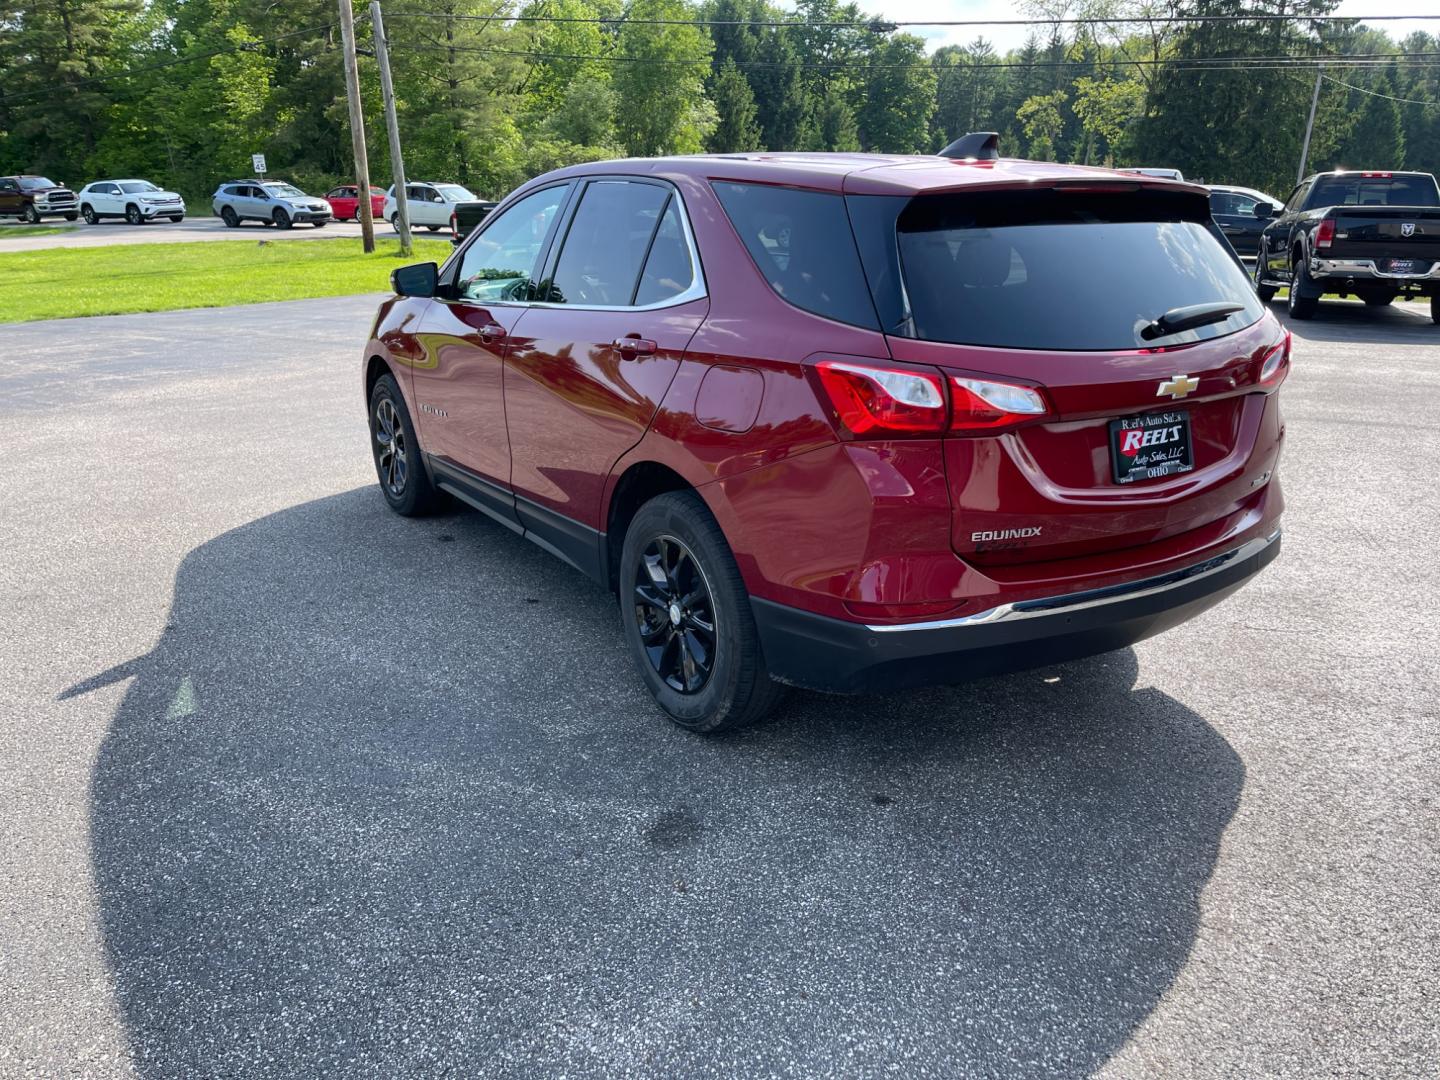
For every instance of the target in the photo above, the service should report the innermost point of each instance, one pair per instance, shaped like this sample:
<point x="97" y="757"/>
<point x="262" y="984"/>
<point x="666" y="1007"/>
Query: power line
<point x="1373" y="93"/>
<point x="129" y="73"/>
<point x="884" y="25"/>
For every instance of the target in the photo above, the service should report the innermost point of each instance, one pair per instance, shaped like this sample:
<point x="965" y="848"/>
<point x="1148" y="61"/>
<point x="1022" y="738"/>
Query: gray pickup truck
<point x="1373" y="235"/>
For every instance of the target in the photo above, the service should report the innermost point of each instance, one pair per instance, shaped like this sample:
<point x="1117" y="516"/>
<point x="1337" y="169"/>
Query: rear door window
<point x="801" y="242"/>
<point x="669" y="268"/>
<point x="1062" y="271"/>
<point x="607" y="242"/>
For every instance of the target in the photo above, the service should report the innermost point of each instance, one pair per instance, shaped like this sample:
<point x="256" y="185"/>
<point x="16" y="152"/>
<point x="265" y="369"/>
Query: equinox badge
<point x="1178" y="386"/>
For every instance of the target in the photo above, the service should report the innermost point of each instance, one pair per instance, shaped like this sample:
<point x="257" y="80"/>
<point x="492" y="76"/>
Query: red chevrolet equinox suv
<point x="850" y="422"/>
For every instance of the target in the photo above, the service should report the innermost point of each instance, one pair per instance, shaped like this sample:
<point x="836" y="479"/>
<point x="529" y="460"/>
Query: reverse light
<point x="1276" y="364"/>
<point x="982" y="405"/>
<point x="1325" y="234"/>
<point x="884" y="401"/>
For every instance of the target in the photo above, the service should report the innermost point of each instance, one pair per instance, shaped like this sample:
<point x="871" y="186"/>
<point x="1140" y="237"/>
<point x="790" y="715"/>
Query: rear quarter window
<point x="801" y="243"/>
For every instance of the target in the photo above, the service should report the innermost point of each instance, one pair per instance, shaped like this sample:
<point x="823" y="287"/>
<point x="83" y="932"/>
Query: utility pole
<point x="1310" y="125"/>
<point x="397" y="165"/>
<point x="357" y="127"/>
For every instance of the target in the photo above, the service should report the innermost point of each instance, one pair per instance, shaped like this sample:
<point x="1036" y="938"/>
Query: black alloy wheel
<point x="675" y="614"/>
<point x="687" y="617"/>
<point x="227" y="215"/>
<point x="282" y="219"/>
<point x="132" y="215"/>
<point x="30" y="214"/>
<point x="391" y="452"/>
<point x="396" y="449"/>
<point x="88" y="213"/>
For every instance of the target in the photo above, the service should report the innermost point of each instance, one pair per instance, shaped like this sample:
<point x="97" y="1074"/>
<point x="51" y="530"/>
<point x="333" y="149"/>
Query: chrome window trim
<point x="698" y="289"/>
<point x="1069" y="602"/>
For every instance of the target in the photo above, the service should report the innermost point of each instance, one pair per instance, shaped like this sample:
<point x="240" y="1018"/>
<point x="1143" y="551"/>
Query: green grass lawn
<point x="63" y="282"/>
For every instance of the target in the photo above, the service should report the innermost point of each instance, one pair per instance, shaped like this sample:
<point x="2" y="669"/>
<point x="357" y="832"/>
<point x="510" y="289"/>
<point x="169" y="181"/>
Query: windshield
<point x="1376" y="191"/>
<point x="455" y="193"/>
<point x="138" y="187"/>
<point x="284" y="191"/>
<point x="35" y="183"/>
<point x="1062" y="271"/>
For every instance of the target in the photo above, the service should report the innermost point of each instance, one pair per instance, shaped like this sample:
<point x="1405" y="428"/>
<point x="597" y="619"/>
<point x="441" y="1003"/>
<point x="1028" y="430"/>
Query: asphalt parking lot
<point x="109" y="232"/>
<point x="295" y="787"/>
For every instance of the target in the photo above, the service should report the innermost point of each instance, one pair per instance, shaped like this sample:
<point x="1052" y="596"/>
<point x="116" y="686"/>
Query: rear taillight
<point x="877" y="401"/>
<point x="1325" y="234"/>
<point x="1276" y="364"/>
<point x="1385" y="174"/>
<point x="982" y="405"/>
<point x="880" y="402"/>
<point x="454" y="226"/>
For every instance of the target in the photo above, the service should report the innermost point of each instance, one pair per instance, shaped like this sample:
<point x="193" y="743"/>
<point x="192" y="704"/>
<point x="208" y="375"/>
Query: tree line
<point x="491" y="93"/>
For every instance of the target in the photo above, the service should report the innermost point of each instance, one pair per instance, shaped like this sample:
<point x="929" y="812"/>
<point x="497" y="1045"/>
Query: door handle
<point x="489" y="335"/>
<point x="632" y="346"/>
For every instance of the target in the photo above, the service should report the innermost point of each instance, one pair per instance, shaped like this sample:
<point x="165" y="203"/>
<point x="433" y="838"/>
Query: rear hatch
<point x="1148" y="431"/>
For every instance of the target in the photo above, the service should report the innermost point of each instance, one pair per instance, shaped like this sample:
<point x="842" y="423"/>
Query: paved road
<point x="297" y="788"/>
<point x="192" y="228"/>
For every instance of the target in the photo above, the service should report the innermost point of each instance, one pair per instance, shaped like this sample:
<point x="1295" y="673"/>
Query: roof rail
<point x="976" y="146"/>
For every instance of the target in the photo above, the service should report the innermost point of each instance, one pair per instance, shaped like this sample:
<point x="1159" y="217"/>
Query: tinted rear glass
<point x="607" y="243"/>
<point x="1375" y="191"/>
<point x="1062" y="271"/>
<point x="801" y="242"/>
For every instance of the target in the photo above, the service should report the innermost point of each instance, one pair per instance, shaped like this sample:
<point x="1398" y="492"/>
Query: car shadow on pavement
<point x="386" y="799"/>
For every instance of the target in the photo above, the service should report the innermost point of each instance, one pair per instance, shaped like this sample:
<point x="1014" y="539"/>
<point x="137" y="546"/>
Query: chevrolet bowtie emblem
<point x="1177" y="387"/>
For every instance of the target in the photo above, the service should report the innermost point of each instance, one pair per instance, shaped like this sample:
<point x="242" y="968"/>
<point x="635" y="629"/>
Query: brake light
<point x="454" y="226"/>
<point x="884" y="401"/>
<point x="1325" y="234"/>
<point x="1384" y="174"/>
<point x="1276" y="364"/>
<point x="982" y="405"/>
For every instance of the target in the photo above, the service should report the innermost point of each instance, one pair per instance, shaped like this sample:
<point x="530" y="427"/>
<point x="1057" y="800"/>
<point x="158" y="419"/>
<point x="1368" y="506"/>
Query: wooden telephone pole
<point x="397" y="165"/>
<point x="357" y="127"/>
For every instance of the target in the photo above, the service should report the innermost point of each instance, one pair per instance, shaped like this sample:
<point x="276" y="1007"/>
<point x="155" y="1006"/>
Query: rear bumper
<point x="1366" y="269"/>
<point x="822" y="653"/>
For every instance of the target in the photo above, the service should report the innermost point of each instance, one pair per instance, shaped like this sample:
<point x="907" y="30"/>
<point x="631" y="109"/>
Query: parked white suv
<point x="137" y="201"/>
<point x="429" y="203"/>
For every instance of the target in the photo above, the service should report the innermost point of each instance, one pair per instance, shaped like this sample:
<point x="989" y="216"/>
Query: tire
<point x="395" y="222"/>
<point x="433" y="228"/>
<point x="1435" y="309"/>
<point x="71" y="216"/>
<point x="1266" y="293"/>
<point x="177" y="218"/>
<point x="30" y="215"/>
<point x="132" y="215"/>
<point x="403" y="480"/>
<point x="88" y="213"/>
<point x="319" y="224"/>
<point x="227" y="215"/>
<point x="676" y="531"/>
<point x="282" y="219"/>
<point x="1301" y="307"/>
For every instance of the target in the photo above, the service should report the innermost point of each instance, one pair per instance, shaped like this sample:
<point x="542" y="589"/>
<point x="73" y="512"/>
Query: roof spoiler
<point x="976" y="146"/>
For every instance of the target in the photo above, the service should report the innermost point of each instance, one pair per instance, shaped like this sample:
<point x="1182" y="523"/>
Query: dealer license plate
<point x="1150" y="446"/>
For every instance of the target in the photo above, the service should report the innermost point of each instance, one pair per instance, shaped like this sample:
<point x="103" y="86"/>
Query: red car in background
<point x="851" y="422"/>
<point x="345" y="203"/>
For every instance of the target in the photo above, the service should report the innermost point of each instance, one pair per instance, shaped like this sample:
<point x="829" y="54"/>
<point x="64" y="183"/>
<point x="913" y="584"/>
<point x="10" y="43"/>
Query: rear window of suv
<point x="1049" y="270"/>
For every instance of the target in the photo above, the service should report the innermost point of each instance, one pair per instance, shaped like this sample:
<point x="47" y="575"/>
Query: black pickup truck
<point x="1374" y="235"/>
<point x="465" y="216"/>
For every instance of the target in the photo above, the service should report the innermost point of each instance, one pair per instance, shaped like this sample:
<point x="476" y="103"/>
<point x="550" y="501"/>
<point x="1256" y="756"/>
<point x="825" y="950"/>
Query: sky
<point x="1009" y="37"/>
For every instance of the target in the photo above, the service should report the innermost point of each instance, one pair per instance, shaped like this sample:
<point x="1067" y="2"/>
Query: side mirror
<point x="420" y="279"/>
<point x="1264" y="210"/>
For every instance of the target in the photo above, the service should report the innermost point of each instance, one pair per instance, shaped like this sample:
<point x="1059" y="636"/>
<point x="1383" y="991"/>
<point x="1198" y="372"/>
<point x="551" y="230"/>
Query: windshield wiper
<point x="1188" y="318"/>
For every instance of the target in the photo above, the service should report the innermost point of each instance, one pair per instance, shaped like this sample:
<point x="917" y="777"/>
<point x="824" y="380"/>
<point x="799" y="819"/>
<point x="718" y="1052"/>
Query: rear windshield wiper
<point x="1188" y="318"/>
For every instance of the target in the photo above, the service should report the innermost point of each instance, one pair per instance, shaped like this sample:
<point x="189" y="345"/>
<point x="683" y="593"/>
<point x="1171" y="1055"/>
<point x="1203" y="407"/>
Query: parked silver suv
<point x="271" y="202"/>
